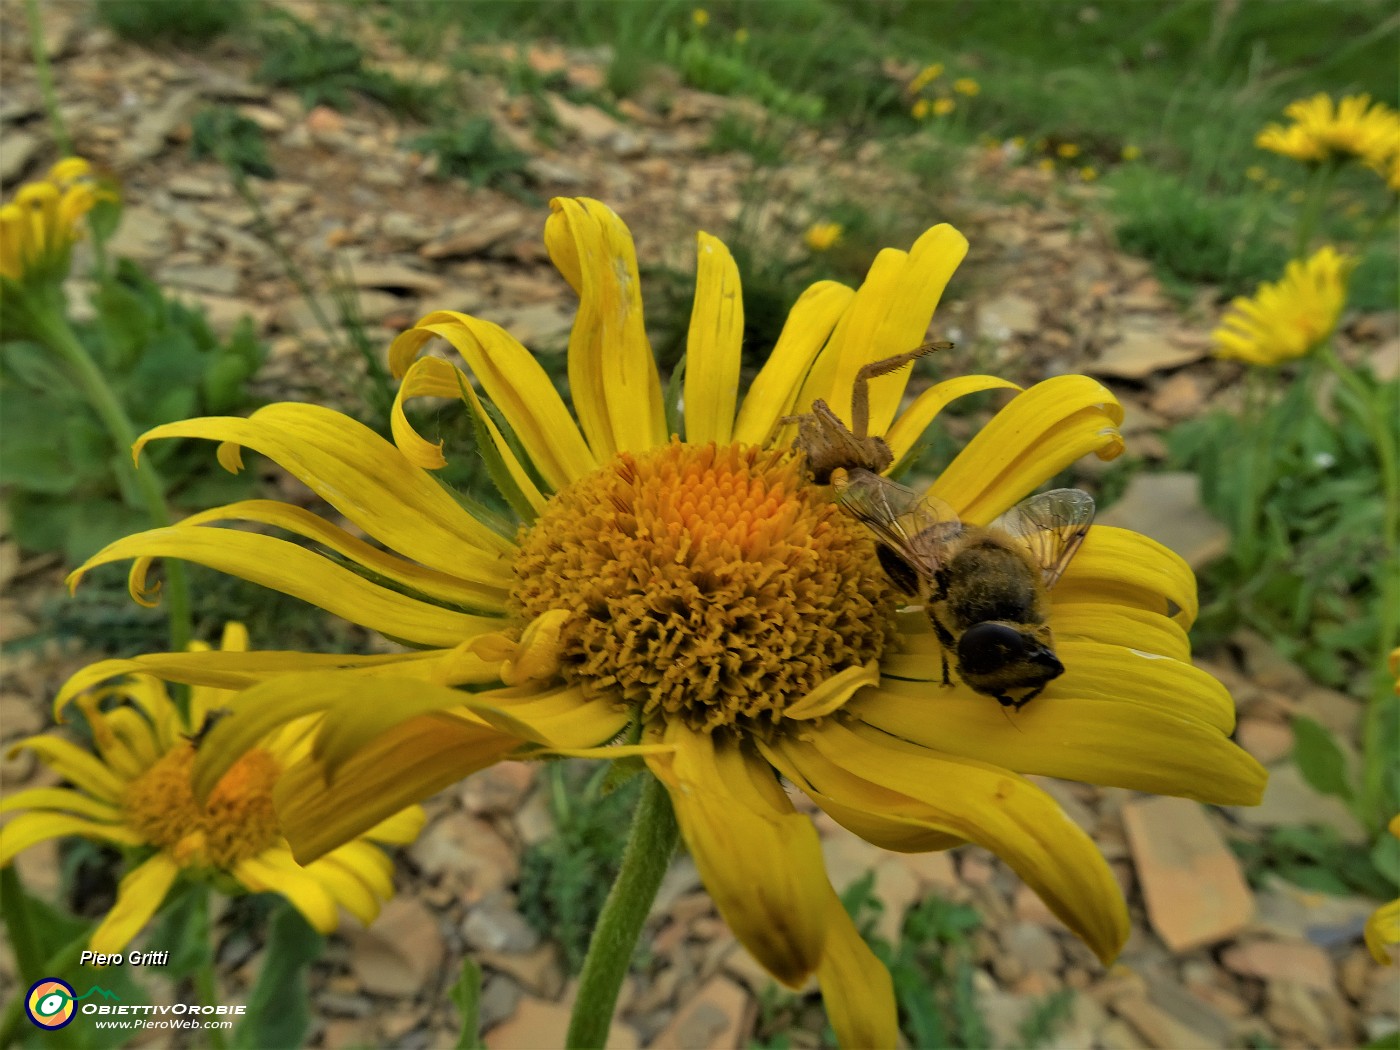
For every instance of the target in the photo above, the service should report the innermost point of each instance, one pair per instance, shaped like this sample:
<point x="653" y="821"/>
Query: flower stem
<point x="1375" y="748"/>
<point x="44" y="74"/>
<point x="1312" y="211"/>
<point x="644" y="863"/>
<point x="205" y="982"/>
<point x="53" y="329"/>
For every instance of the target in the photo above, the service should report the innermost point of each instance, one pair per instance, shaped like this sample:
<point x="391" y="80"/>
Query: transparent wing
<point x="916" y="527"/>
<point x="1053" y="525"/>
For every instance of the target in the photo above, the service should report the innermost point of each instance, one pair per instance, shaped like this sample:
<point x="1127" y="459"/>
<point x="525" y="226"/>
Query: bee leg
<point x="860" y="394"/>
<point x="946" y="643"/>
<point x="1006" y="701"/>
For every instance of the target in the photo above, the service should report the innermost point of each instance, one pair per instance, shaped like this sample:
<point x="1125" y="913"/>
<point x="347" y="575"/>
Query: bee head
<point x="997" y="650"/>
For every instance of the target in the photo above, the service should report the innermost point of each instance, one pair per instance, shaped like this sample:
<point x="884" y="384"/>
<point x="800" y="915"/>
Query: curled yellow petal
<point x="140" y="893"/>
<point x="712" y="354"/>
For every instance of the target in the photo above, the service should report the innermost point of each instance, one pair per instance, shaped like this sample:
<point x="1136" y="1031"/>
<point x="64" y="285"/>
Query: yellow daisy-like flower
<point x="1324" y="130"/>
<point x="943" y="106"/>
<point x="967" y="86"/>
<point x="821" y="236"/>
<point x="700" y="18"/>
<point x="1383" y="927"/>
<point x="39" y="226"/>
<point x="1088" y="173"/>
<point x="704" y="591"/>
<point x="1131" y="153"/>
<point x="137" y="791"/>
<point x="921" y="109"/>
<point x="1067" y="150"/>
<point x="1289" y="318"/>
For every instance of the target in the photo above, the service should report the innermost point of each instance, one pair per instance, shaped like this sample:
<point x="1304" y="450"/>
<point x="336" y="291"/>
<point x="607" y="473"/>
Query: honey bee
<point x="985" y="589"/>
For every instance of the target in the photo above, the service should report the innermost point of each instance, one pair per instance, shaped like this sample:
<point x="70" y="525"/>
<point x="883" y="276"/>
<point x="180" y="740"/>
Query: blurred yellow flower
<point x="921" y="109"/>
<point x="1273" y="185"/>
<point x="710" y="595"/>
<point x="1255" y="173"/>
<point x="1019" y="141"/>
<point x="1323" y="130"/>
<point x="1067" y="150"/>
<point x="822" y="235"/>
<point x="1296" y="196"/>
<point x="136" y="791"/>
<point x="1088" y="173"/>
<point x="943" y="106"/>
<point x="1131" y="153"/>
<point x="39" y="226"/>
<point x="1289" y="318"/>
<point x="741" y="36"/>
<point x="1045" y="164"/>
<point x="1383" y="927"/>
<point x="700" y="17"/>
<point x="966" y="86"/>
<point x="925" y="77"/>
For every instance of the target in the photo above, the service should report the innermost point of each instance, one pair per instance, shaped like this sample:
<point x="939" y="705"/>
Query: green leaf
<point x="1319" y="759"/>
<point x="278" y="1014"/>
<point x="1385" y="856"/>
<point x="466" y="994"/>
<point x="183" y="928"/>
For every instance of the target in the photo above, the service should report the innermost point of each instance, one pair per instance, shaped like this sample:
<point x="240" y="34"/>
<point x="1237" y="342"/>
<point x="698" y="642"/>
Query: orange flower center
<point x="238" y="822"/>
<point x="713" y="584"/>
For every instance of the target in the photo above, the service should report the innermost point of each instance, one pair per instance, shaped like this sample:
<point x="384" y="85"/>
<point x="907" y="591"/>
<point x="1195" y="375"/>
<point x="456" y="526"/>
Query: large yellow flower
<point x="706" y="593"/>
<point x="1288" y="318"/>
<point x="137" y="791"/>
<point x="38" y="228"/>
<point x="1323" y="130"/>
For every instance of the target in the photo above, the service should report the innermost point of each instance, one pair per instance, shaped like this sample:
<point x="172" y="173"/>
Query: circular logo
<point x="49" y="1003"/>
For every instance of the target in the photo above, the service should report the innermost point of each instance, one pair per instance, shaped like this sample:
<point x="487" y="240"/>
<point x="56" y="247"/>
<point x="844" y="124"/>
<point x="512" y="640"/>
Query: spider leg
<point x="860" y="392"/>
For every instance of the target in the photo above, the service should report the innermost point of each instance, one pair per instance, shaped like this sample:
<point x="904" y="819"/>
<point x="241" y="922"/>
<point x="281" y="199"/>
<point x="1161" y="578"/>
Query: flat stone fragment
<point x="1299" y="961"/>
<point x="401" y="953"/>
<point x="1139" y="353"/>
<point x="718" y="1017"/>
<point x="1167" y="507"/>
<point x="1191" y="882"/>
<point x="538" y="1024"/>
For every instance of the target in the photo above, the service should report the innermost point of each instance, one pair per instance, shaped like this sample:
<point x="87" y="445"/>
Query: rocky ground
<point x="1212" y="961"/>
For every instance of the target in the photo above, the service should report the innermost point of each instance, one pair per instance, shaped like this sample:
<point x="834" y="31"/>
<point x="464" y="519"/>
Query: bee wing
<point x="915" y="527"/>
<point x="1053" y="525"/>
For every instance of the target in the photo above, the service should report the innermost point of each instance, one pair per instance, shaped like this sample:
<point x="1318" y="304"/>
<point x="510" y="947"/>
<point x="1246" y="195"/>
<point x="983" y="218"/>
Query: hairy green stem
<point x="648" y="855"/>
<point x="43" y="73"/>
<point x="1321" y="183"/>
<point x="1375" y="747"/>
<point x="54" y="331"/>
<point x="206" y="983"/>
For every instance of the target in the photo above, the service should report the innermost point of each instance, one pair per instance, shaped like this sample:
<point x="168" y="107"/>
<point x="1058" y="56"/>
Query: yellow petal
<point x="712" y="349"/>
<point x="139" y="894"/>
<point x="1040" y="432"/>
<point x="403" y="827"/>
<point x="1127" y="568"/>
<point x="445" y="587"/>
<point x="1122" y="721"/>
<point x="773" y="393"/>
<point x="760" y="860"/>
<point x="1383" y="930"/>
<point x="979" y="802"/>
<point x="832" y="376"/>
<point x="274" y="871"/>
<point x="370" y="864"/>
<point x="72" y="763"/>
<point x="612" y="373"/>
<point x="516" y="384"/>
<point x="236" y="671"/>
<point x="914" y="420"/>
<point x="292" y="569"/>
<point x="364" y="477"/>
<point x="889" y="315"/>
<point x="405" y="765"/>
<point x="36" y="826"/>
<point x="856" y="987"/>
<point x="833" y="693"/>
<point x="60" y="800"/>
<point x="1120" y="625"/>
<point x="345" y="885"/>
<point x="555" y="718"/>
